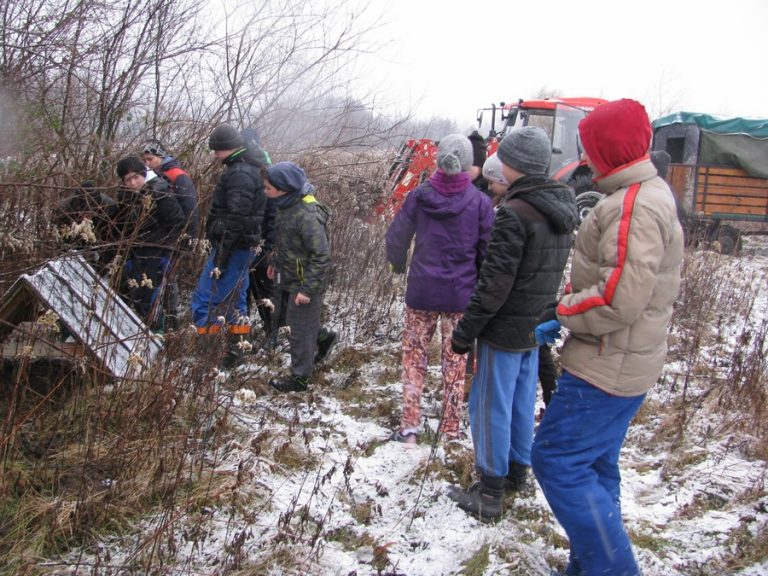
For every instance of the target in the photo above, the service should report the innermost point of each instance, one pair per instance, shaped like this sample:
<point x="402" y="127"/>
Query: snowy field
<point x="308" y="484"/>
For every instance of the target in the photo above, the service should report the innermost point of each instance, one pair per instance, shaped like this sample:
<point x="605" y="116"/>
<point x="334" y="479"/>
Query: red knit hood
<point x="615" y="133"/>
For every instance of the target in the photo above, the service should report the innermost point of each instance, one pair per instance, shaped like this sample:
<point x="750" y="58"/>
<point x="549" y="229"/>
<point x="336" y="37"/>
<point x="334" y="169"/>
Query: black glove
<point x="549" y="313"/>
<point x="458" y="347"/>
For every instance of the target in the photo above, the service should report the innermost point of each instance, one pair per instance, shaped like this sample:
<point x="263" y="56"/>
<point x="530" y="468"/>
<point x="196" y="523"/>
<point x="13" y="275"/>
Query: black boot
<point x="326" y="340"/>
<point x="292" y="383"/>
<point x="483" y="499"/>
<point x="517" y="478"/>
<point x="237" y="348"/>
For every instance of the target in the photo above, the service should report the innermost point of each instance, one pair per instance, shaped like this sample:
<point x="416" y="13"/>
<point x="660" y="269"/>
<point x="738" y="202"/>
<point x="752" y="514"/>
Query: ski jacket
<point x="237" y="208"/>
<point x="451" y="234"/>
<point x="530" y="242"/>
<point x="184" y="188"/>
<point x="301" y="252"/>
<point x="625" y="277"/>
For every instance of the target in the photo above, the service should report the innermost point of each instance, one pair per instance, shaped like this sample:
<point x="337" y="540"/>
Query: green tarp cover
<point x="734" y="142"/>
<point x="735" y="150"/>
<point x="755" y="127"/>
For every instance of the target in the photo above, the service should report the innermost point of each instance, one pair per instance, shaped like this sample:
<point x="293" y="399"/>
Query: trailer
<point x="719" y="173"/>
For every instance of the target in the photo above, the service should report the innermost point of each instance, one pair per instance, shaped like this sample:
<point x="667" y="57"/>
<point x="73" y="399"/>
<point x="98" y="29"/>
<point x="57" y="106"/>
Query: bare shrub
<point x="718" y="345"/>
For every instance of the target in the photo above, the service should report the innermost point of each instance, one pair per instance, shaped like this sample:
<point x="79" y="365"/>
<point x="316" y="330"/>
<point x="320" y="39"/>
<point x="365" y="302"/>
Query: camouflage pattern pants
<point x="417" y="334"/>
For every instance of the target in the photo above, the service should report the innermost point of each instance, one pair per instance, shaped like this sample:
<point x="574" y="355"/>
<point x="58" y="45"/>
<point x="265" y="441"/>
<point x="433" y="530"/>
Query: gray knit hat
<point x="492" y="170"/>
<point x="454" y="154"/>
<point x="155" y="148"/>
<point x="527" y="150"/>
<point x="225" y="137"/>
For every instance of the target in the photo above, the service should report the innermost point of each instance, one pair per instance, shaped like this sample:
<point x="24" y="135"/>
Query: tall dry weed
<point x="719" y="343"/>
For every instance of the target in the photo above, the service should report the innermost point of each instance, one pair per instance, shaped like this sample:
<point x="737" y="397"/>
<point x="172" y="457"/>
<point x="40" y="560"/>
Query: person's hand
<point x="301" y="299"/>
<point x="547" y="332"/>
<point x="459" y="347"/>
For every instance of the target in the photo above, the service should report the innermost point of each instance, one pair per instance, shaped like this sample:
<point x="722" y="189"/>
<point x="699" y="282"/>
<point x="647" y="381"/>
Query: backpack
<point x="173" y="173"/>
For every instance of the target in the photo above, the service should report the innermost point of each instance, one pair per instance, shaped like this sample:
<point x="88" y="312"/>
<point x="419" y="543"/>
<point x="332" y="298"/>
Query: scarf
<point x="449" y="184"/>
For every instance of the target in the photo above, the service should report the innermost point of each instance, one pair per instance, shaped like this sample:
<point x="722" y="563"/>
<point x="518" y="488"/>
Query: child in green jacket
<point x="300" y="267"/>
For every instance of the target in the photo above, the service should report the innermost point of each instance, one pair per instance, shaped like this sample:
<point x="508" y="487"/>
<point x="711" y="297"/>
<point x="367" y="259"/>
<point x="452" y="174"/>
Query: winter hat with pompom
<point x="454" y="154"/>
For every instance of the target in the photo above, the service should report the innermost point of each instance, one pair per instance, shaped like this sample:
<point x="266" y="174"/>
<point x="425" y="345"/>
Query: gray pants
<point x="304" y="322"/>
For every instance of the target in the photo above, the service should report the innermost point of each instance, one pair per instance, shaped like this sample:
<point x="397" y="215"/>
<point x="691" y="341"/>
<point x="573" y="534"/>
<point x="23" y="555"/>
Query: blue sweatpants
<point x="224" y="296"/>
<point x="501" y="406"/>
<point x="576" y="462"/>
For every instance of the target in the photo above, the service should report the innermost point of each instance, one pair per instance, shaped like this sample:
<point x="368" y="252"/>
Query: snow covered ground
<point x="308" y="484"/>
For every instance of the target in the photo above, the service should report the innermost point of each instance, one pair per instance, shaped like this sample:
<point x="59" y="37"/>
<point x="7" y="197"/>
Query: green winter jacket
<point x="301" y="253"/>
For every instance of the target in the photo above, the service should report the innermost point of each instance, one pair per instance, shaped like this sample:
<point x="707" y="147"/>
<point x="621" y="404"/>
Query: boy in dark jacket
<point x="300" y="266"/>
<point x="530" y="241"/>
<point x="233" y="227"/>
<point x="149" y="220"/>
<point x="156" y="158"/>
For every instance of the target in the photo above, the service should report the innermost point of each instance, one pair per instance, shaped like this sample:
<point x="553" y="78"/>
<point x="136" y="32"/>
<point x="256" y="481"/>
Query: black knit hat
<point x="225" y="137"/>
<point x="479" y="149"/>
<point x="130" y="164"/>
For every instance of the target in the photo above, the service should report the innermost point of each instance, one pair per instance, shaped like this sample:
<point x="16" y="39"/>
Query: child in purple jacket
<point x="451" y="222"/>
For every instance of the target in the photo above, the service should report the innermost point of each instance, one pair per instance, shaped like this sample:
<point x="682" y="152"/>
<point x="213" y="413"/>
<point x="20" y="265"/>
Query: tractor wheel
<point x="581" y="182"/>
<point x="726" y="239"/>
<point x="585" y="202"/>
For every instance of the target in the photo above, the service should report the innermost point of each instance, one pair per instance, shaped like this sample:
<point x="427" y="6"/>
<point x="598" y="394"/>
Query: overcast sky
<point x="448" y="59"/>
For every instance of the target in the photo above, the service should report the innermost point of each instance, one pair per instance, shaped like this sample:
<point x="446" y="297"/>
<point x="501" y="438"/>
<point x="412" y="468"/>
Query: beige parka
<point x="625" y="277"/>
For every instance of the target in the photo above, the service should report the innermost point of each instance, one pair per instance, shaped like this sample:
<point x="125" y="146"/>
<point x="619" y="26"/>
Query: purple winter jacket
<point x="452" y="230"/>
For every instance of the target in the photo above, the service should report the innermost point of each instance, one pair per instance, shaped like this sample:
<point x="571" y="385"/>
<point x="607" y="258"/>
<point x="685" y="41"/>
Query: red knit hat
<point x="615" y="133"/>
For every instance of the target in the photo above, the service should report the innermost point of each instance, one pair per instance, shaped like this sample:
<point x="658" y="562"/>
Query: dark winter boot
<point x="483" y="499"/>
<point x="291" y="383"/>
<point x="270" y="341"/>
<point x="237" y="349"/>
<point x="326" y="340"/>
<point x="517" y="479"/>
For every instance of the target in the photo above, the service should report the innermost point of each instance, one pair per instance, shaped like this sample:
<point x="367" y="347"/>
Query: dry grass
<point x="86" y="456"/>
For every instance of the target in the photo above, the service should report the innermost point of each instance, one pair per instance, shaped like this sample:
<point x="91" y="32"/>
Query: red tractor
<point x="559" y="117"/>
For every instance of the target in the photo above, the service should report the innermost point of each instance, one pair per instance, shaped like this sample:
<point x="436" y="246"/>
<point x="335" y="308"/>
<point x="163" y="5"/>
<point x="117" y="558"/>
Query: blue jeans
<point x="224" y="296"/>
<point x="575" y="459"/>
<point x="501" y="406"/>
<point x="146" y="264"/>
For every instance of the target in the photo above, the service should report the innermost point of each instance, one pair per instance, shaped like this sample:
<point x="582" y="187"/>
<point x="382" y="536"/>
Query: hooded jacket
<point x="530" y="243"/>
<point x="302" y="255"/>
<point x="452" y="231"/>
<point x="625" y="277"/>
<point x="625" y="274"/>
<point x="184" y="188"/>
<point x="237" y="210"/>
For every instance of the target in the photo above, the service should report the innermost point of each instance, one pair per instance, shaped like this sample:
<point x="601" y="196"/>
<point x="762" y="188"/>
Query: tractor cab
<point x="559" y="118"/>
